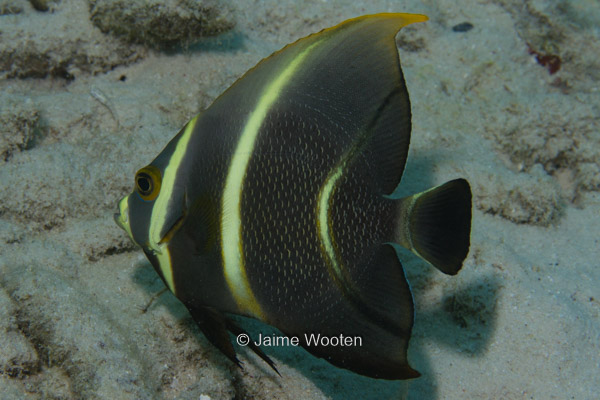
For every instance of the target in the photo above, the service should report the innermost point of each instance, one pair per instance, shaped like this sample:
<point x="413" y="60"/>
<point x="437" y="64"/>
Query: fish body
<point x="274" y="203"/>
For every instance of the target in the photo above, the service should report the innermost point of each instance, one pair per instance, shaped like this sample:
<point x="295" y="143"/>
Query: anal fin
<point x="375" y="318"/>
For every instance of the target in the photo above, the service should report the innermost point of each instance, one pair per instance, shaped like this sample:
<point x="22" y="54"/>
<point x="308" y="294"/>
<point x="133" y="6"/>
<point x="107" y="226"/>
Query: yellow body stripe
<point x="160" y="208"/>
<point x="323" y="225"/>
<point x="231" y="219"/>
<point x="403" y="233"/>
<point x="324" y="228"/>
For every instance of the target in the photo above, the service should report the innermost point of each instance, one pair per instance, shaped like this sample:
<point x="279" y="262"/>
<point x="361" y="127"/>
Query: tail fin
<point x="436" y="225"/>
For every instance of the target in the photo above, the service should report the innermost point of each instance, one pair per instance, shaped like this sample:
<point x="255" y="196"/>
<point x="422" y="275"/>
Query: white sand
<point x="520" y="321"/>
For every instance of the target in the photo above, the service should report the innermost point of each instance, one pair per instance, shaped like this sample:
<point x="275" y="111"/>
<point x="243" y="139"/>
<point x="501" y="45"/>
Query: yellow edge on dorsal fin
<point x="408" y="19"/>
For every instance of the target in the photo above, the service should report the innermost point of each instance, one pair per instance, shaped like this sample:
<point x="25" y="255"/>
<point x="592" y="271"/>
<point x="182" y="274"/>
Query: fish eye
<point x="147" y="182"/>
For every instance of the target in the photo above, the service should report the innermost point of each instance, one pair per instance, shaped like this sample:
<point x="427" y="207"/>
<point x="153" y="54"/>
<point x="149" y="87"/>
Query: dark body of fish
<point x="274" y="202"/>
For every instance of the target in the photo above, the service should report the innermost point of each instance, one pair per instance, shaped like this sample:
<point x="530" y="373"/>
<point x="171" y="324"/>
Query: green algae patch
<point x="18" y="123"/>
<point x="62" y="43"/>
<point x="160" y="24"/>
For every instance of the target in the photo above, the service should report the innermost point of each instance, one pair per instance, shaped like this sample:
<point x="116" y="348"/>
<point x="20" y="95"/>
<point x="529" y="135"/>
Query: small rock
<point x="40" y="5"/>
<point x="462" y="27"/>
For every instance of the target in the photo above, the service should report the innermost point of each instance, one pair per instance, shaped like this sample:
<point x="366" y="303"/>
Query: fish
<point x="276" y="203"/>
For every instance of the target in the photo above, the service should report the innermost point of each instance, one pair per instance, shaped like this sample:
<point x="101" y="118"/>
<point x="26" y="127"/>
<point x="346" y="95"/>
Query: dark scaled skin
<point x="274" y="203"/>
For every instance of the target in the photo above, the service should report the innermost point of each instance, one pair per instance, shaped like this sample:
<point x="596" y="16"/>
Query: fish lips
<point x="122" y="217"/>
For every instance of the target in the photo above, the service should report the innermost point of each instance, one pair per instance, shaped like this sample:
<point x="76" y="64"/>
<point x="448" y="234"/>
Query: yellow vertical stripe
<point x="160" y="209"/>
<point x="323" y="220"/>
<point x="231" y="219"/>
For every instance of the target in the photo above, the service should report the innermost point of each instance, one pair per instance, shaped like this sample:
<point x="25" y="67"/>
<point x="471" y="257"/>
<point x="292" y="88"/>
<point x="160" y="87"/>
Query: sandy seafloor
<point x="520" y="321"/>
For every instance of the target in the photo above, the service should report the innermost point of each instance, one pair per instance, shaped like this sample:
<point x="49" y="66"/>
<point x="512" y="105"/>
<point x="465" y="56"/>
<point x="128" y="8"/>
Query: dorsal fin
<point x="343" y="85"/>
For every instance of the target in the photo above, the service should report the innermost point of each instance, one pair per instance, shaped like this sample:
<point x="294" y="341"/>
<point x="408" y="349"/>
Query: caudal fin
<point x="436" y="225"/>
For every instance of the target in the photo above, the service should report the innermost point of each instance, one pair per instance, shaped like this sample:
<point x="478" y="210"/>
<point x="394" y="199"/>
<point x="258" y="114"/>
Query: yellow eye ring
<point x="147" y="182"/>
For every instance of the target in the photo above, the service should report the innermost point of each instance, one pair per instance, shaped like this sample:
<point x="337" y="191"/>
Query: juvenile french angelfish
<point x="274" y="202"/>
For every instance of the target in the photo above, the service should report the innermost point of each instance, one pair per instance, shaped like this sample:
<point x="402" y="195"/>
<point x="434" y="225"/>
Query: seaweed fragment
<point x="552" y="62"/>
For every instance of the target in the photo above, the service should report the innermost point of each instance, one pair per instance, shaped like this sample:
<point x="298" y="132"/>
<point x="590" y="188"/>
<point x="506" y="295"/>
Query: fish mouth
<point x="122" y="217"/>
<point x="117" y="218"/>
